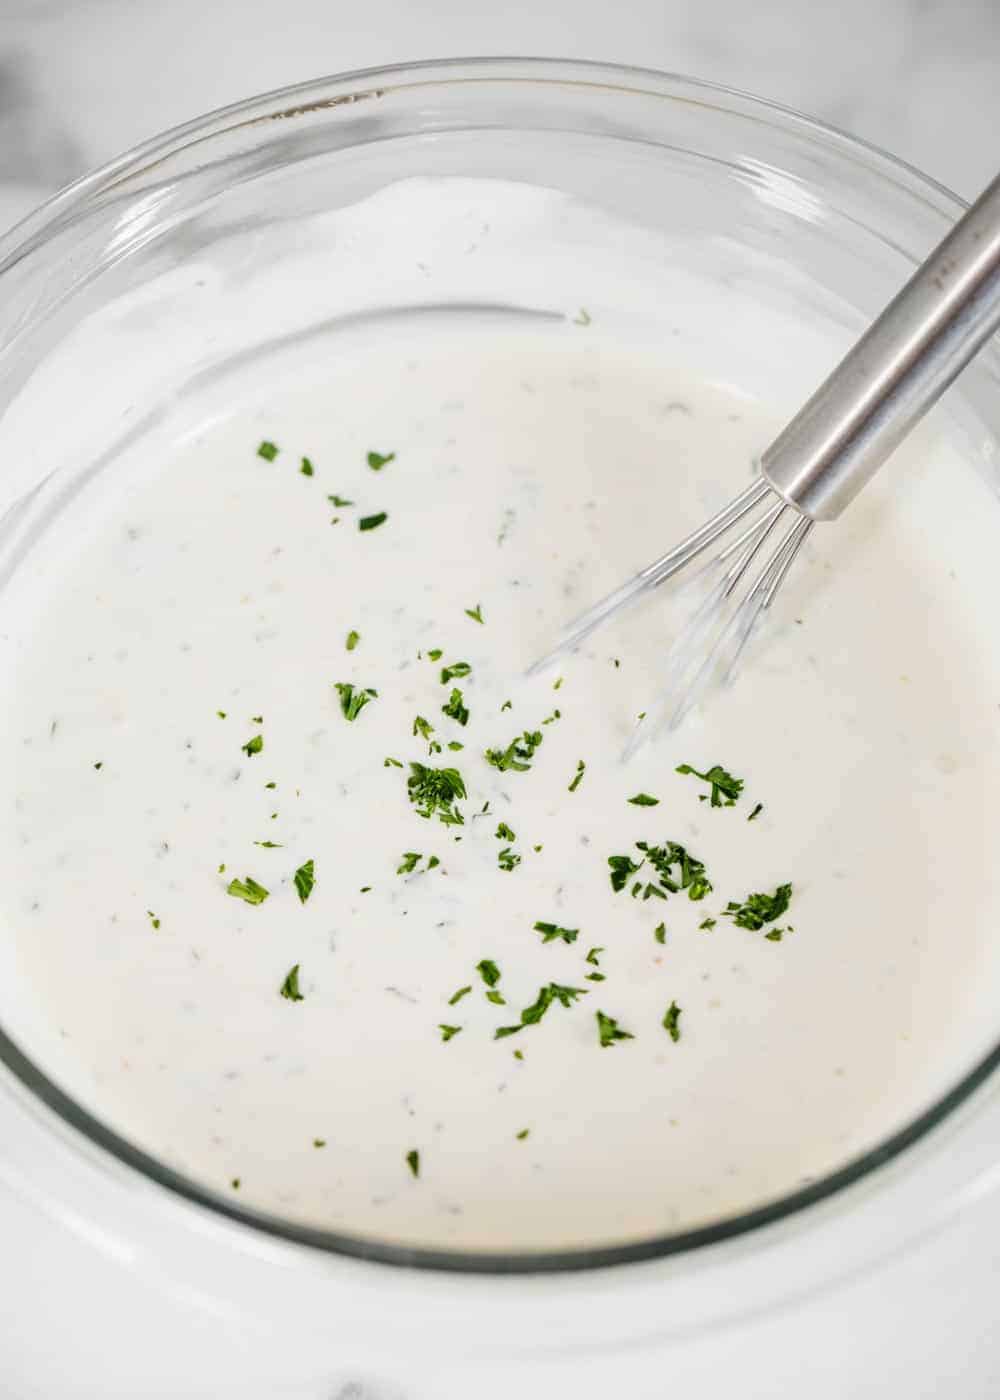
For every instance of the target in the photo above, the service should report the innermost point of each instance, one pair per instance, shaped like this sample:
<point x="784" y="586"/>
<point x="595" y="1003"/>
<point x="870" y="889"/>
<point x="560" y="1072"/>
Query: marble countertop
<point x="82" y="80"/>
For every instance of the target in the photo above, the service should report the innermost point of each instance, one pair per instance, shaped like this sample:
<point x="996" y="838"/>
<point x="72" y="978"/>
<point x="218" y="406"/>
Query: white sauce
<point x="535" y="468"/>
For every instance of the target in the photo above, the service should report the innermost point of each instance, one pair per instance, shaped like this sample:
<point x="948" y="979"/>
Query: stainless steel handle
<point x="896" y="372"/>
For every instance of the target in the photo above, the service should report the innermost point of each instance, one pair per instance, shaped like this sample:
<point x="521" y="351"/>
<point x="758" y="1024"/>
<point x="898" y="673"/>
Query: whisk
<point x="817" y="465"/>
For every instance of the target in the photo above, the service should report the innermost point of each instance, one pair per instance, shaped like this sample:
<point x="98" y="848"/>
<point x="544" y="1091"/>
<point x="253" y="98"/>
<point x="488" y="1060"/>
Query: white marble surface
<point x="81" y="80"/>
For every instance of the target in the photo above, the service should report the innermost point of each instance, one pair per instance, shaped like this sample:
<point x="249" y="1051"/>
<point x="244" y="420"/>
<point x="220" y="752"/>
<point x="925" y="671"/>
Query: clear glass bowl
<point x="103" y="306"/>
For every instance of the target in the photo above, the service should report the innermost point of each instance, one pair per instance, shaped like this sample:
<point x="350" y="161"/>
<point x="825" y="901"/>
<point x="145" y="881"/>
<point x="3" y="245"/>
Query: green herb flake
<point x="269" y="845"/>
<point x="376" y="460"/>
<point x="660" y="933"/>
<point x="422" y="728"/>
<point x="153" y="918"/>
<point x="372" y="522"/>
<point x="518" y="1055"/>
<point x="557" y="683"/>
<point x="447" y="1032"/>
<point x="435" y="654"/>
<point x="518" y="754"/>
<point x="457" y="997"/>
<point x="221" y="714"/>
<point x="725" y="788"/>
<point x="488" y="971"/>
<point x="99" y="765"/>
<point x="507" y="859"/>
<point x="305" y="879"/>
<point x="609" y="1031"/>
<point x="671" y="1021"/>
<point x="454" y="672"/>
<point x="622" y="870"/>
<point x="268" y="450"/>
<point x="436" y="792"/>
<point x="581" y="768"/>
<point x="253" y="746"/>
<point x="524" y="1131"/>
<point x="504" y="833"/>
<point x="455" y="745"/>
<point x="643" y="799"/>
<point x="270" y="785"/>
<point x="248" y="890"/>
<point x="476" y="613"/>
<point x="391" y="763"/>
<point x="550" y="932"/>
<point x="593" y="957"/>
<point x="413" y="1162"/>
<point x="409" y="862"/>
<point x="456" y="708"/>
<point x="352" y="639"/>
<point x="507" y="705"/>
<point x="290" y="986"/>
<point x="495" y="997"/>
<point x="336" y="500"/>
<point x="306" y="467"/>
<point x="353" y="699"/>
<point x="708" y="924"/>
<point x="690" y="875"/>
<point x="756" y="812"/>
<point x="759" y="909"/>
<point x="319" y="1142"/>
<point x="532" y="1014"/>
<point x="235" y="1183"/>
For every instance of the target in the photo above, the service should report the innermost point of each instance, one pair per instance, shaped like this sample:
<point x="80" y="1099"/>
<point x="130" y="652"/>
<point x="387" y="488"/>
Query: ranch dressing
<point x="523" y="470"/>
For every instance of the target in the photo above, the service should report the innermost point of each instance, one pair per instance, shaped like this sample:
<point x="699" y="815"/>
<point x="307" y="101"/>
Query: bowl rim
<point x="298" y="100"/>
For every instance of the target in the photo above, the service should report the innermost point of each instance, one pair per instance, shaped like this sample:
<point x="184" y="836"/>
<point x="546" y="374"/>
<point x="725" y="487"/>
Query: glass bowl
<point x="137" y="285"/>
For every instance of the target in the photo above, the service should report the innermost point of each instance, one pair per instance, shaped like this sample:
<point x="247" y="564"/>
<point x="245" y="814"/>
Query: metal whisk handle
<point x="896" y="372"/>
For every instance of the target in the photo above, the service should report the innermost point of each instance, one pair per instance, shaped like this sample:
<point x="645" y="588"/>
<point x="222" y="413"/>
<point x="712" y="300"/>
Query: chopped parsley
<point x="153" y="918"/>
<point x="725" y="788"/>
<point x="353" y="699"/>
<point x="319" y="1142"/>
<point x="550" y="932"/>
<point x="268" y="450"/>
<point x="522" y="1134"/>
<point x="622" y="869"/>
<point x="504" y="833"/>
<point x="532" y="1014"/>
<point x="221" y="714"/>
<point x="413" y="1162"/>
<point x="391" y="763"/>
<point x="454" y="745"/>
<point x="448" y="1031"/>
<point x="336" y="500"/>
<point x="671" y="1021"/>
<point x="643" y="799"/>
<point x="454" y="672"/>
<point x="306" y="467"/>
<point x="756" y="812"/>
<point x="690" y="873"/>
<point x="475" y="613"/>
<point x="507" y="705"/>
<point x="457" y="997"/>
<point x="269" y="845"/>
<point x="593" y="957"/>
<point x="304" y="879"/>
<point x="253" y="745"/>
<point x="775" y="935"/>
<point x="518" y="754"/>
<point x="352" y="639"/>
<point x="248" y="890"/>
<point x="508" y="859"/>
<point x="609" y="1031"/>
<point x="550" y="719"/>
<point x="372" y="522"/>
<point x="423" y="729"/>
<point x="488" y="971"/>
<point x="290" y="986"/>
<point x="455" y="708"/>
<point x="409" y="862"/>
<point x="759" y="909"/>
<point x="435" y="792"/>
<point x="581" y="768"/>
<point x="377" y="461"/>
<point x="660" y="933"/>
<point x="708" y="923"/>
<point x="557" y="683"/>
<point x="435" y="654"/>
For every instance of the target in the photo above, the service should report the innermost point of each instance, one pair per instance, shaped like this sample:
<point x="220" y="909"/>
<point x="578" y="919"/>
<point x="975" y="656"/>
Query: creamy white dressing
<point x="535" y="467"/>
